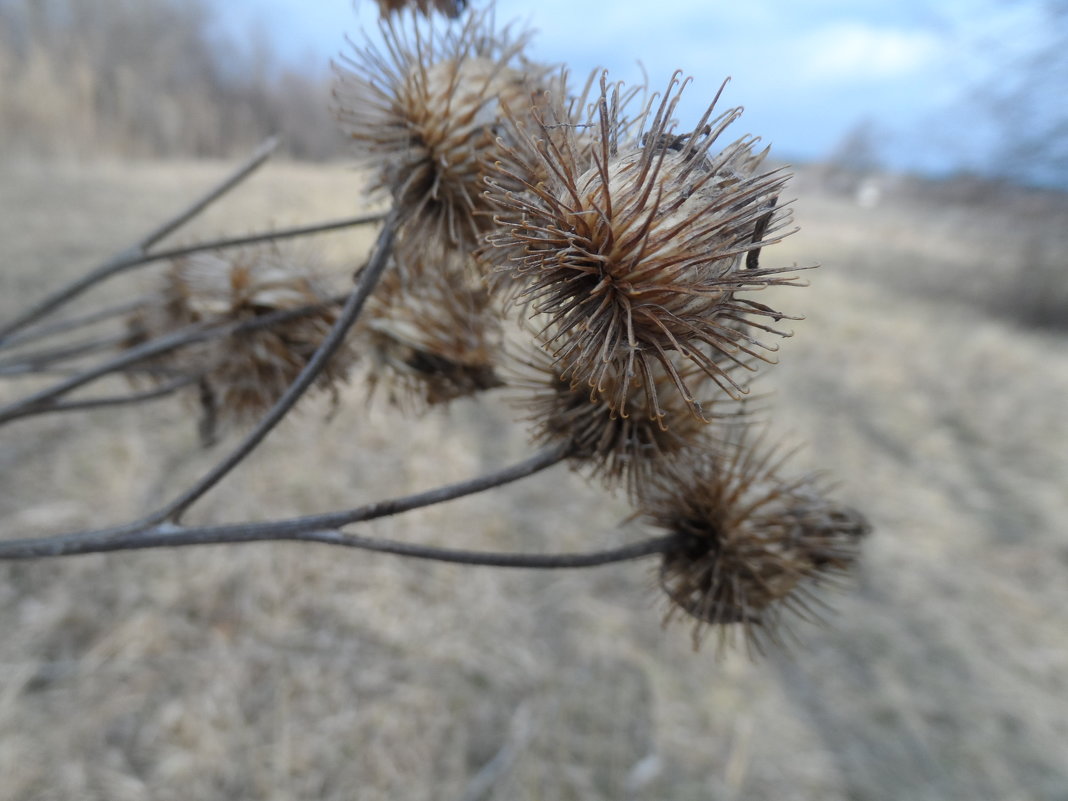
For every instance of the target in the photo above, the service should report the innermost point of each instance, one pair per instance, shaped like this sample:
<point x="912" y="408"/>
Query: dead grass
<point x="289" y="672"/>
<point x="1001" y="249"/>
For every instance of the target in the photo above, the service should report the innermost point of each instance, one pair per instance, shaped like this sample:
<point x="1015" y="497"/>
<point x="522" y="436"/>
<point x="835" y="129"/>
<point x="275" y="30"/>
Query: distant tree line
<point x="148" y="78"/>
<point x="1027" y="97"/>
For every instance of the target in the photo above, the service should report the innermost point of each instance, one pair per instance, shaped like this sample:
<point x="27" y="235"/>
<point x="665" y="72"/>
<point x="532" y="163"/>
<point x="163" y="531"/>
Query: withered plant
<point x="574" y="248"/>
<point x="241" y="376"/>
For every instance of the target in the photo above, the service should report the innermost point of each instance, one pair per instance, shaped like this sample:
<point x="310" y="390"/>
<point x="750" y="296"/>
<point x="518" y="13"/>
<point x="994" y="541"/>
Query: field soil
<point x="287" y="671"/>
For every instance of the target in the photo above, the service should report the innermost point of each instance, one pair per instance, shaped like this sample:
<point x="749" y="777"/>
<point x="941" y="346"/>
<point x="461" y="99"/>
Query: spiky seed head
<point x="752" y="546"/>
<point x="430" y="331"/>
<point x="424" y="118"/>
<point x="244" y="374"/>
<point x="623" y="445"/>
<point x="557" y="120"/>
<point x="638" y="249"/>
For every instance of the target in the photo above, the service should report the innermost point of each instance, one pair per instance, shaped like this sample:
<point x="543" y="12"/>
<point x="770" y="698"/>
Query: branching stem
<point x="32" y="362"/>
<point x="189" y="335"/>
<point x="84" y="404"/>
<point x="365" y="283"/>
<point x="325" y="529"/>
<point x="40" y="332"/>
<point x="130" y="257"/>
<point x="62" y="326"/>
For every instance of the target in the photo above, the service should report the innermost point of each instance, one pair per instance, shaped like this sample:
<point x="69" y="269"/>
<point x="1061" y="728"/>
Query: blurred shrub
<point x="148" y="78"/>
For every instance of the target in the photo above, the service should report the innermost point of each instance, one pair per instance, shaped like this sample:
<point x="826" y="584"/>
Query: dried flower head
<point x="751" y="546"/>
<point x="633" y="250"/>
<point x="623" y="445"/>
<point x="245" y="373"/>
<point x="450" y="8"/>
<point x="425" y="117"/>
<point x="430" y="330"/>
<point x="558" y="121"/>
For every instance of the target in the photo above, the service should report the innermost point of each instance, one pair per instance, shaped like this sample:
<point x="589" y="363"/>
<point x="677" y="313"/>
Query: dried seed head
<point x="751" y="546"/>
<point x="638" y="249"/>
<point x="430" y="331"/>
<point x="425" y="117"/>
<point x="245" y="373"/>
<point x="450" y="8"/>
<point x="557" y="121"/>
<point x="623" y="445"/>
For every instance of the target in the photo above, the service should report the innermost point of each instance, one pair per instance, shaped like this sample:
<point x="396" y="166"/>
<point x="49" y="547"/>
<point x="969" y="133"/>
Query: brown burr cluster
<point x="590" y="252"/>
<point x="618" y="256"/>
<point x="424" y="118"/>
<point x="751" y="546"/>
<point x="242" y="373"/>
<point x="430" y="331"/>
<point x="635" y="252"/>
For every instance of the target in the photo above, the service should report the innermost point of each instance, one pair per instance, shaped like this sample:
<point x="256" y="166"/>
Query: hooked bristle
<point x="752" y="547"/>
<point x="635" y="250"/>
<point x="424" y="118"/>
<point x="242" y="375"/>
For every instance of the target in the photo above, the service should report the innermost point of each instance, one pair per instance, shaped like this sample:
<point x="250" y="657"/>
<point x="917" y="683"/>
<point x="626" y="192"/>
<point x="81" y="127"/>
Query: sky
<point x="808" y="74"/>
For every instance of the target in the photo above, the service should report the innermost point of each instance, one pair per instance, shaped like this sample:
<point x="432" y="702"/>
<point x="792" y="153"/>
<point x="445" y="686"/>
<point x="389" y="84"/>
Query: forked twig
<point x="189" y="335"/>
<point x="29" y="362"/>
<point x="161" y="528"/>
<point x="130" y="257"/>
<point x="84" y="404"/>
<point x="325" y="529"/>
<point x="263" y="236"/>
<point x="367" y="278"/>
<point x="125" y="262"/>
<point x="62" y="326"/>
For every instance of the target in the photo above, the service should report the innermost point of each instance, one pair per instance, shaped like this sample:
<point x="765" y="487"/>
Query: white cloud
<point x="850" y="52"/>
<point x="805" y="71"/>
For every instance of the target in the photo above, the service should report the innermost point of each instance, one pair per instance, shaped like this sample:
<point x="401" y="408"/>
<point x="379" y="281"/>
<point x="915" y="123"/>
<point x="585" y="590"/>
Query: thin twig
<point x="186" y="250"/>
<point x="365" y="283"/>
<point x="262" y="236"/>
<point x="255" y="161"/>
<point x="149" y="370"/>
<point x="311" y="528"/>
<point x="128" y="257"/>
<point x="18" y="371"/>
<point x="61" y="326"/>
<point x="174" y="537"/>
<point x="30" y="362"/>
<point x="155" y="347"/>
<point x="189" y="335"/>
<point x="118" y="400"/>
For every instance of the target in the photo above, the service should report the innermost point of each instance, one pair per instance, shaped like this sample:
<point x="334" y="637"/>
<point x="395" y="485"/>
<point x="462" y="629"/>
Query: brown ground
<point x="300" y="672"/>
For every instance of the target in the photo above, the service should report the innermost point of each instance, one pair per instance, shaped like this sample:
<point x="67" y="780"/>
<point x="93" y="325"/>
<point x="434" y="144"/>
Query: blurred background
<point x="947" y="88"/>
<point x="928" y="378"/>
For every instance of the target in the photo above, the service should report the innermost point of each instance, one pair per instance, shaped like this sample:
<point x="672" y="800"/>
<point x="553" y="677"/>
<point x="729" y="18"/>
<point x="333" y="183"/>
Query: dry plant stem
<point x="365" y="284"/>
<point x="172" y="537"/>
<point x="265" y="236"/>
<point x="174" y="253"/>
<point x="62" y="326"/>
<point x="130" y="257"/>
<point x="31" y="362"/>
<point x="187" y="250"/>
<point x="323" y="528"/>
<point x="120" y="400"/>
<point x="31" y="404"/>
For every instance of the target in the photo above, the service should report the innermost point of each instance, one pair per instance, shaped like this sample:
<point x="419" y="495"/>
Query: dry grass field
<point x="301" y="672"/>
